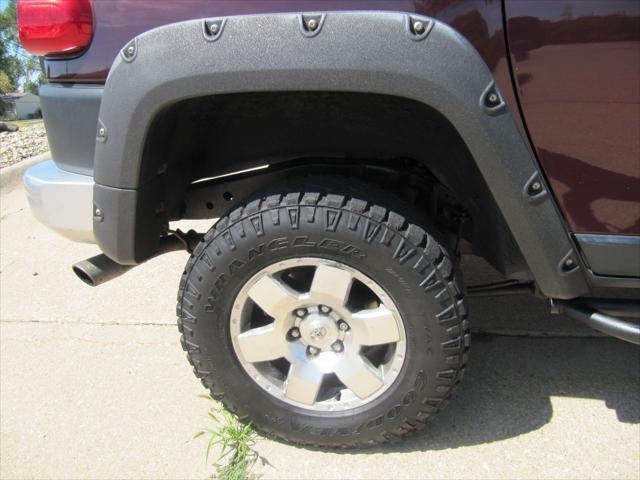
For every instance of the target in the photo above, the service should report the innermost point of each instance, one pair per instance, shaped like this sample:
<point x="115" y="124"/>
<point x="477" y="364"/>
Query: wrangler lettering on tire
<point x="324" y="319"/>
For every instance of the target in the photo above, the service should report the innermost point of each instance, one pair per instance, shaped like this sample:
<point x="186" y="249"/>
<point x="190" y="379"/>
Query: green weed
<point x="236" y="441"/>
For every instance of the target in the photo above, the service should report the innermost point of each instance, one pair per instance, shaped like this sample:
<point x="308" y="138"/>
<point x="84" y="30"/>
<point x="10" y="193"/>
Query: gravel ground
<point x="27" y="142"/>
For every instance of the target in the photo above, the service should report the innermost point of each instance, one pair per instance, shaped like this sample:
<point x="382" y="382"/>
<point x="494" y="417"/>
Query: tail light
<point x="55" y="27"/>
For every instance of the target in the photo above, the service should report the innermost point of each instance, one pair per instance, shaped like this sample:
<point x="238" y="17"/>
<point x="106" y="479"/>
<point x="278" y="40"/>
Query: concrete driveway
<point x="94" y="384"/>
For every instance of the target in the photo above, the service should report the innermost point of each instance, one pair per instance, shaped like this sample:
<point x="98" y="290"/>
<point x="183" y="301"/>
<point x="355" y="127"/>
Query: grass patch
<point x="27" y="123"/>
<point x="236" y="440"/>
<point x="24" y="125"/>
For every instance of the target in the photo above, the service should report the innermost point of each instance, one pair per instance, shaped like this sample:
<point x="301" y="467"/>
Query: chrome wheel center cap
<point x="318" y="333"/>
<point x="319" y="330"/>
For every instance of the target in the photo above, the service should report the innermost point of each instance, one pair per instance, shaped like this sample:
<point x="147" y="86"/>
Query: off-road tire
<point x="414" y="269"/>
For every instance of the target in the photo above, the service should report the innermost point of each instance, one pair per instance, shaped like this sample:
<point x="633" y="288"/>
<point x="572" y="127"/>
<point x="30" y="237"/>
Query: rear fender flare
<point x="372" y="52"/>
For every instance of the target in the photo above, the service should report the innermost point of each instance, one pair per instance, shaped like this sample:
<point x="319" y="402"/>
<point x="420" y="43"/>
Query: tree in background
<point x="16" y="65"/>
<point x="34" y="76"/>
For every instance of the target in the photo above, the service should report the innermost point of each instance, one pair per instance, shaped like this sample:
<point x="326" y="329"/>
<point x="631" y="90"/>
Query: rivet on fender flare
<point x="98" y="215"/>
<point x="130" y="51"/>
<point x="491" y="101"/>
<point x="212" y="29"/>
<point x="418" y="27"/>
<point x="311" y="23"/>
<point x="101" y="134"/>
<point x="568" y="264"/>
<point x="534" y="189"/>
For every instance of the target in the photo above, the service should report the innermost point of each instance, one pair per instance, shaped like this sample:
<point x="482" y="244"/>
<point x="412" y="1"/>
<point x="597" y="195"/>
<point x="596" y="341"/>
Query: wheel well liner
<point x="399" y="144"/>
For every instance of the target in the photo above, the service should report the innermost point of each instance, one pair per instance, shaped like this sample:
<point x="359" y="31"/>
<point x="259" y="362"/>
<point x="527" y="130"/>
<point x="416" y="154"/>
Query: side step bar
<point x="604" y="316"/>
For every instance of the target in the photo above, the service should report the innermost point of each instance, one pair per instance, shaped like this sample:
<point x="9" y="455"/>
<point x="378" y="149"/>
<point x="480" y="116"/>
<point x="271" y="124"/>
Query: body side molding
<point x="611" y="255"/>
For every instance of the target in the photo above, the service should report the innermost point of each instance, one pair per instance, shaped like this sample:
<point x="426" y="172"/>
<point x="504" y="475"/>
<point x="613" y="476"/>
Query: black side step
<point x="604" y="316"/>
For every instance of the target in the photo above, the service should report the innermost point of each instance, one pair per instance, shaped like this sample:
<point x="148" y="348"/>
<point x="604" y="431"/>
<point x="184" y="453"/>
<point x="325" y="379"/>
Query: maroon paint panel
<point x="118" y="21"/>
<point x="577" y="67"/>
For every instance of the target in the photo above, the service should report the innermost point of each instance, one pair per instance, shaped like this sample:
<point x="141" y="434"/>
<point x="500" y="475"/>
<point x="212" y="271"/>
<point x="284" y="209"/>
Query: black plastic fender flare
<point x="373" y="52"/>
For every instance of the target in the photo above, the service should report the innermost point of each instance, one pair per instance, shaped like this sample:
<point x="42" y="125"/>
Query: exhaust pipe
<point x="97" y="270"/>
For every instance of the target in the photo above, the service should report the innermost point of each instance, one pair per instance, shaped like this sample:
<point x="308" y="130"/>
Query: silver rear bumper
<point x="61" y="200"/>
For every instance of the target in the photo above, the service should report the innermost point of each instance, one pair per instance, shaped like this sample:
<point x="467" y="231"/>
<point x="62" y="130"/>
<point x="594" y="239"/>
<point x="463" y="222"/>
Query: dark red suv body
<point x="353" y="151"/>
<point x="575" y="67"/>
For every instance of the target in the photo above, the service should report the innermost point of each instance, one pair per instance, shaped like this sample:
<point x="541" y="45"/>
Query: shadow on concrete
<point x="509" y="380"/>
<point x="508" y="384"/>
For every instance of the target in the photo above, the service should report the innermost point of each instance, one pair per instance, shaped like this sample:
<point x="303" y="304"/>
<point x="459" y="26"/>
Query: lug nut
<point x="301" y="312"/>
<point x="418" y="27"/>
<point x="312" y="351"/>
<point x="535" y="186"/>
<point x="294" y="332"/>
<point x="343" y="326"/>
<point x="312" y="24"/>
<point x="213" y="28"/>
<point x="338" y="346"/>
<point x="324" y="309"/>
<point x="493" y="98"/>
<point x="130" y="50"/>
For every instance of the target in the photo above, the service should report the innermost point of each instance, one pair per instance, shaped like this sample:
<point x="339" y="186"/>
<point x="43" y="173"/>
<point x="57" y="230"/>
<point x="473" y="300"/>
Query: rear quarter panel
<point x="577" y="68"/>
<point x="118" y="21"/>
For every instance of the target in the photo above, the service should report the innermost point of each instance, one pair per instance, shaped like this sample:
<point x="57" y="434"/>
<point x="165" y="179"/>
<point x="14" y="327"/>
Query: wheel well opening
<point x="412" y="148"/>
